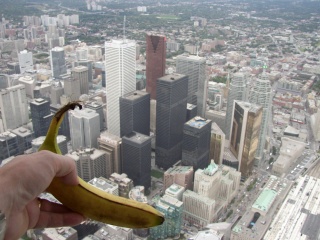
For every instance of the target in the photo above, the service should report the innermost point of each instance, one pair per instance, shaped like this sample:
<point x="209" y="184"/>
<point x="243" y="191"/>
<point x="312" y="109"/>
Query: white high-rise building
<point x="195" y="68"/>
<point x="120" y="67"/>
<point x="261" y="95"/>
<point x="13" y="107"/>
<point x="25" y="61"/>
<point x="237" y="91"/>
<point x="84" y="128"/>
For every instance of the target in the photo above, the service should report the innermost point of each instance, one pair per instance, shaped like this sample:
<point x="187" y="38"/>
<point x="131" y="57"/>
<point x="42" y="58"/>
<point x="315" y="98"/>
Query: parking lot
<point x="303" y="163"/>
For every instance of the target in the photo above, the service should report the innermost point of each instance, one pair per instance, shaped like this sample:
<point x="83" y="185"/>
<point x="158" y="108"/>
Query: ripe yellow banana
<point x="92" y="202"/>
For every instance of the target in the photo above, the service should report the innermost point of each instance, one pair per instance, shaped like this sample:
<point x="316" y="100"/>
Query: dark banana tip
<point x="68" y="106"/>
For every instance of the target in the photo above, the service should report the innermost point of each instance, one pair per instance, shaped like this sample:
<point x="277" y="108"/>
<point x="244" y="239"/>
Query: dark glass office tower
<point x="136" y="158"/>
<point x="171" y="111"/>
<point x="135" y="113"/>
<point x="155" y="61"/>
<point x="196" y="143"/>
<point x="41" y="116"/>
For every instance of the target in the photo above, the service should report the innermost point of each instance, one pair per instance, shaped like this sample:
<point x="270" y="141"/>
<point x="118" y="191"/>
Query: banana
<point x="92" y="202"/>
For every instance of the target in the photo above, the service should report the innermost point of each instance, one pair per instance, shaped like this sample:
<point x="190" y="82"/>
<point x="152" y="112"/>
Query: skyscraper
<point x="237" y="91"/>
<point x="9" y="145"/>
<point x="56" y="92"/>
<point x="98" y="108"/>
<point x="25" y="61"/>
<point x="246" y="121"/>
<point x="171" y="110"/>
<point x="196" y="143"/>
<point x="217" y="144"/>
<point x="84" y="128"/>
<point x="156" y="61"/>
<point x="195" y="68"/>
<point x="261" y="95"/>
<point x="136" y="158"/>
<point x="24" y="137"/>
<point x="120" y="79"/>
<point x="111" y="144"/>
<point x="135" y="113"/>
<point x="88" y="64"/>
<point x="90" y="163"/>
<point x="80" y="74"/>
<point x="58" y="62"/>
<point x="14" y="107"/>
<point x="72" y="87"/>
<point x="41" y="116"/>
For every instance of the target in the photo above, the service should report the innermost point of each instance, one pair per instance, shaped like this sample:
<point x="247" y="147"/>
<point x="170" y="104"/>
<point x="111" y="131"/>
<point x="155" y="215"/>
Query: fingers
<point x="47" y="206"/>
<point x="49" y="219"/>
<point x="64" y="167"/>
<point x="56" y="215"/>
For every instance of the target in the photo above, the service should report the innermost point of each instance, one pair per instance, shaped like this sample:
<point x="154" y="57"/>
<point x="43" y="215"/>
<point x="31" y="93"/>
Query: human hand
<point x="21" y="182"/>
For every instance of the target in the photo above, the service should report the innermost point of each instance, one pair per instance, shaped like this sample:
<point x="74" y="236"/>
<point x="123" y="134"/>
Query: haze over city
<point x="206" y="110"/>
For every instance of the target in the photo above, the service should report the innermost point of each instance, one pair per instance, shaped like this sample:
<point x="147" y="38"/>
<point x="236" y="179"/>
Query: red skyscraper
<point x="156" y="61"/>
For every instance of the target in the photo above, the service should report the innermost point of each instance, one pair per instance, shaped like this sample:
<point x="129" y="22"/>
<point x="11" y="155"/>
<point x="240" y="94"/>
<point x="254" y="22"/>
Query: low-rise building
<point x="172" y="209"/>
<point x="289" y="152"/>
<point x="181" y="175"/>
<point x="105" y="185"/>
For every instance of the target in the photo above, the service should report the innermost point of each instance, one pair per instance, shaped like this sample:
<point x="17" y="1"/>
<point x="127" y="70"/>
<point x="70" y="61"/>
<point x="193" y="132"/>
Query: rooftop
<point x="211" y="169"/>
<point x="191" y="106"/>
<point x="137" y="137"/>
<point x="251" y="107"/>
<point x="299" y="214"/>
<point x="179" y="169"/>
<point x="172" y="77"/>
<point x="22" y="132"/>
<point x="103" y="183"/>
<point x="198" y="122"/>
<point x="265" y="199"/>
<point x="135" y="95"/>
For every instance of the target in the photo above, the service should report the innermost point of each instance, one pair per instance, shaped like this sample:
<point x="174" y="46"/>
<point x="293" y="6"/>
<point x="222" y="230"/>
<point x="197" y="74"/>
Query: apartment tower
<point x="237" y="91"/>
<point x="261" y="95"/>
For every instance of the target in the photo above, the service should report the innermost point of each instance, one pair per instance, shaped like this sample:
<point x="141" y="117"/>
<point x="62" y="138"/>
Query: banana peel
<point x="92" y="202"/>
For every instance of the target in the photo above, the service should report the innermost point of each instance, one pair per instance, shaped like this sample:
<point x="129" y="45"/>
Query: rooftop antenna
<point x="124" y="27"/>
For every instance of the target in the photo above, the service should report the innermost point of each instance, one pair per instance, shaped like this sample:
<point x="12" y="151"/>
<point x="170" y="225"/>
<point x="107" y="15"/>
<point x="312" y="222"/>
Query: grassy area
<point x="156" y="174"/>
<point x="41" y="55"/>
<point x="250" y="187"/>
<point x="168" y="17"/>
